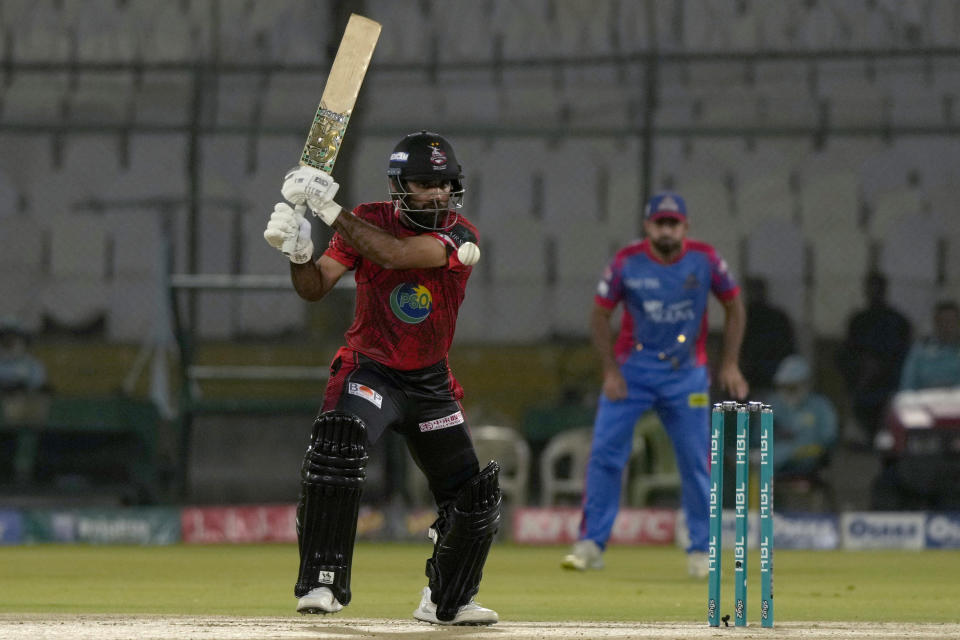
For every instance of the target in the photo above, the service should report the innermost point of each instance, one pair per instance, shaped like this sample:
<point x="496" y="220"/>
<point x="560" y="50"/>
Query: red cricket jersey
<point x="404" y="318"/>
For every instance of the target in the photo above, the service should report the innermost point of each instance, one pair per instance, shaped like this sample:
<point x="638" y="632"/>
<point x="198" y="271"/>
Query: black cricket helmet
<point x="425" y="157"/>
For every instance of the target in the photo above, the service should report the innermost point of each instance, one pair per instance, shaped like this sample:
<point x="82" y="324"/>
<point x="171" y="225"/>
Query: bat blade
<point x="340" y="93"/>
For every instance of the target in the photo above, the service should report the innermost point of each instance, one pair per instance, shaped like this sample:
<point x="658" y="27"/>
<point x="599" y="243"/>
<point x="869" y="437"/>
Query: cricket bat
<point x="340" y="93"/>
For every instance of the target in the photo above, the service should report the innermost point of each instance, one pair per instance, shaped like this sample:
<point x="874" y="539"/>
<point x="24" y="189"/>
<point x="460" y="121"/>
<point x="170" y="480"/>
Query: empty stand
<point x="268" y="312"/>
<point x="23" y="244"/>
<point x="225" y="162"/>
<point x="887" y="206"/>
<point x="156" y="168"/>
<point x="174" y="33"/>
<point x="273" y="155"/>
<point x="239" y="98"/>
<point x="291" y="99"/>
<point x="840" y="261"/>
<point x="105" y="30"/>
<point x="464" y="30"/>
<point x="39" y="31"/>
<point x="137" y="296"/>
<point x="720" y="26"/>
<point x="101" y="98"/>
<point x="653" y="464"/>
<point x="525" y="29"/>
<point x="406" y="100"/>
<point x="164" y="98"/>
<point x="219" y="235"/>
<point x="34" y="98"/>
<point x="909" y="256"/>
<point x="75" y="293"/>
<point x="776" y="250"/>
<point x="829" y="200"/>
<point x="507" y="446"/>
<point x="469" y="100"/>
<point x="563" y="466"/>
<point x="398" y="43"/>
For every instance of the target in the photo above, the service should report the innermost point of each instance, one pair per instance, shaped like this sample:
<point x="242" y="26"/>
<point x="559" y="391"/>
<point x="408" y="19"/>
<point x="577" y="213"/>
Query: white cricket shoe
<point x="469" y="614"/>
<point x="318" y="600"/>
<point x="698" y="564"/>
<point x="586" y="554"/>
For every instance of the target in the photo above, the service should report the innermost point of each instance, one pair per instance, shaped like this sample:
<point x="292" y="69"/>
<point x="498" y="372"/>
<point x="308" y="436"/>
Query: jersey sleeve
<point x="610" y="288"/>
<point x="340" y="250"/>
<point x="452" y="239"/>
<point x="722" y="283"/>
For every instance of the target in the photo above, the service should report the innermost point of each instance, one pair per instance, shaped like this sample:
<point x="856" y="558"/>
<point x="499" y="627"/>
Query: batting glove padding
<point x="315" y="188"/>
<point x="288" y="231"/>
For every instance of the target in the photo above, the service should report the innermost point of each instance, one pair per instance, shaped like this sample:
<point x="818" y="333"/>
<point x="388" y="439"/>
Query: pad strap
<point x="464" y="533"/>
<point x="331" y="481"/>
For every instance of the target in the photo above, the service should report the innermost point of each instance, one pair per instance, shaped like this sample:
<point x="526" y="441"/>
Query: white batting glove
<point x="289" y="232"/>
<point x="315" y="188"/>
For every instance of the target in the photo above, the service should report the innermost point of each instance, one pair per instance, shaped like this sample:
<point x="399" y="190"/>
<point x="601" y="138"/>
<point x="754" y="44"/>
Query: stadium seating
<point x="396" y="43"/>
<point x="217" y="310"/>
<point x="75" y="293"/>
<point x="776" y="250"/>
<point x="33" y="98"/>
<point x="828" y="200"/>
<point x="507" y="446"/>
<point x="840" y="262"/>
<point x="22" y="241"/>
<point x="101" y="99"/>
<point x="551" y="148"/>
<point x="525" y="28"/>
<point x="290" y="99"/>
<point x="464" y="44"/>
<point x="174" y="33"/>
<point x="265" y="312"/>
<point x="468" y="100"/>
<point x="653" y="465"/>
<point x="910" y="256"/>
<point x="405" y="100"/>
<point x="137" y="296"/>
<point x="41" y="34"/>
<point x="164" y="98"/>
<point x="563" y="466"/>
<point x="105" y="32"/>
<point x="238" y="99"/>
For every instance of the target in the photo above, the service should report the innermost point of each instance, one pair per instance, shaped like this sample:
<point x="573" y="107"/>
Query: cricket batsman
<point x="411" y="257"/>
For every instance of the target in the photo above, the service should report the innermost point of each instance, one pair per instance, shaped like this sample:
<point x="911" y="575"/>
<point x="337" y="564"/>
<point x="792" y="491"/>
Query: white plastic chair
<point x="511" y="451"/>
<point x="572" y="446"/>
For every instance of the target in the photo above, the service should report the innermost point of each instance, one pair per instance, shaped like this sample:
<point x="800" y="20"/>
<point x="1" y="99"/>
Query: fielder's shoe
<point x="319" y="600"/>
<point x="469" y="614"/>
<point x="586" y="554"/>
<point x="698" y="564"/>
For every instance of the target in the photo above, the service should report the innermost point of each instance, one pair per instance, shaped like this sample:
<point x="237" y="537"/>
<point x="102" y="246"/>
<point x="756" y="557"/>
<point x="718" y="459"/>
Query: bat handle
<point x="290" y="245"/>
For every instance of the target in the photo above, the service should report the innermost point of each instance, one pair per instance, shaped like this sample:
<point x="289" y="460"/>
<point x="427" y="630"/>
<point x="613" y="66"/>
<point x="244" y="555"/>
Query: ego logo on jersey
<point x="412" y="303"/>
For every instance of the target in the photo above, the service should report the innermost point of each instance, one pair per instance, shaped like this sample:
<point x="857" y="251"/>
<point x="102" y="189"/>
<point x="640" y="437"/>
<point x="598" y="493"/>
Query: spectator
<point x="805" y="422"/>
<point x="19" y="369"/>
<point x="872" y="355"/>
<point x="769" y="337"/>
<point x="935" y="361"/>
<point x="23" y="397"/>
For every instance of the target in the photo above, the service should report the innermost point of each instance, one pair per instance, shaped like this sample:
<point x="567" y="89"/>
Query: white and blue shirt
<point x="664" y="324"/>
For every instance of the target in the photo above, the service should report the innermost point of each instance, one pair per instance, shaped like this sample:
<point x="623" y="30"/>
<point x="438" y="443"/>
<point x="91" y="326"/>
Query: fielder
<point x="658" y="361"/>
<point x="412" y="257"/>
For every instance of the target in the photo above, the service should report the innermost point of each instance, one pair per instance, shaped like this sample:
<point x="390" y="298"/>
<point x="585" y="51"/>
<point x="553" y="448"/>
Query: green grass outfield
<point x="522" y="583"/>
